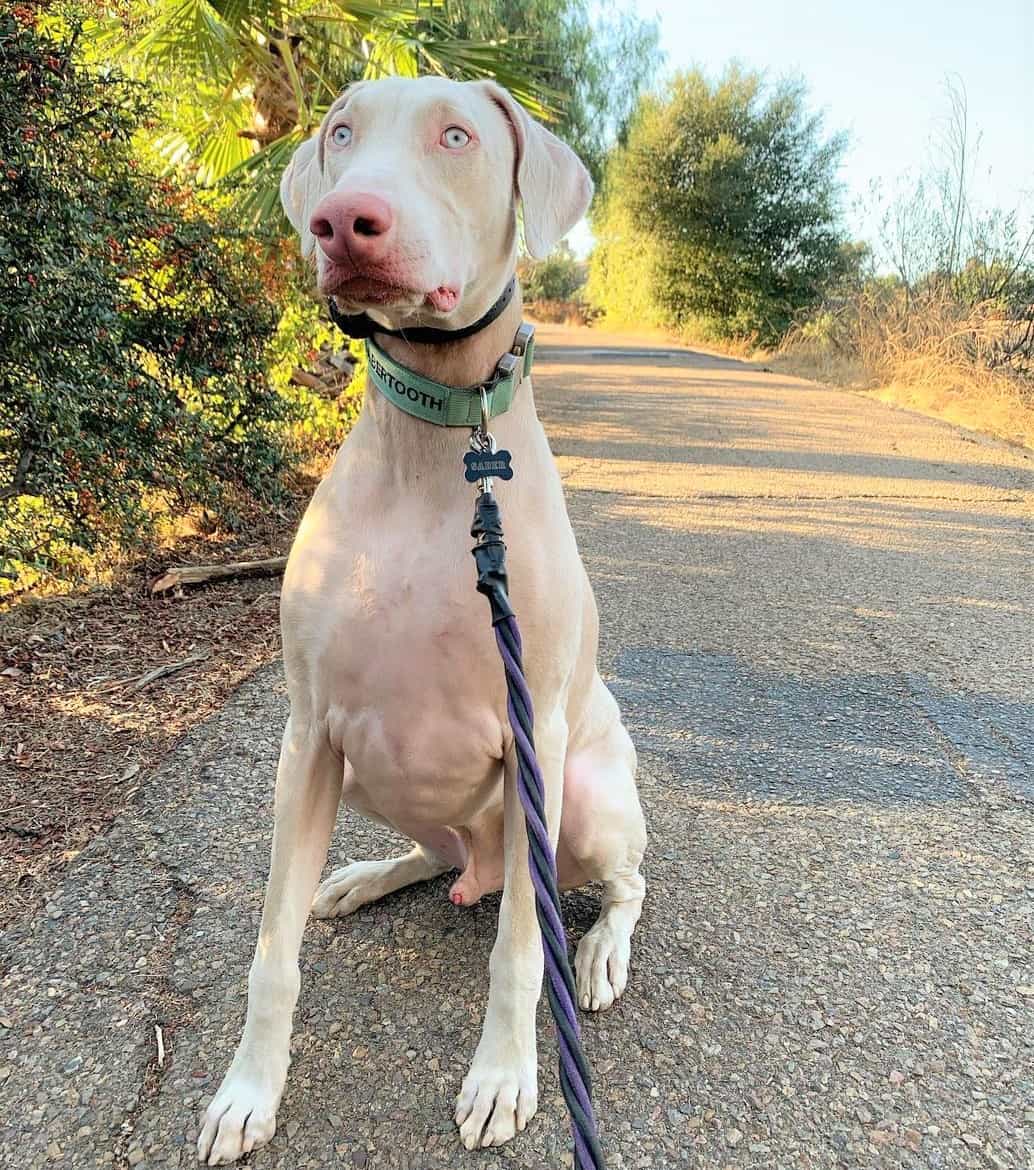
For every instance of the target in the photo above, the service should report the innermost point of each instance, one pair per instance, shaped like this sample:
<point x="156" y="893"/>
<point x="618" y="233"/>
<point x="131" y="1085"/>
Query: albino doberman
<point x="407" y="198"/>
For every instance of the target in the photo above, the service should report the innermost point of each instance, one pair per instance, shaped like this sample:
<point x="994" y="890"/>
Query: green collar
<point x="451" y="406"/>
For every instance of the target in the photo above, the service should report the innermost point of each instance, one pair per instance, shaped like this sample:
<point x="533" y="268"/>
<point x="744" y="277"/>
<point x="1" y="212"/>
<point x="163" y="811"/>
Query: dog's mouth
<point x="365" y="291"/>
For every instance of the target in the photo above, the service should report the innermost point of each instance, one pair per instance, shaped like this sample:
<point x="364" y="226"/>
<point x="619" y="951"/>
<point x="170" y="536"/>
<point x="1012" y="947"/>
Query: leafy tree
<point x="595" y="65"/>
<point x="720" y="211"/>
<point x="133" y="324"/>
<point x="247" y="80"/>
<point x="557" y="278"/>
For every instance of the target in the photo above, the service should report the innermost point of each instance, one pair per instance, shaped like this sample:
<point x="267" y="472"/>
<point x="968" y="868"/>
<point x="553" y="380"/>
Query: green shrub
<point x="133" y="320"/>
<point x="557" y="278"/>
<point x="719" y="211"/>
<point x="303" y="334"/>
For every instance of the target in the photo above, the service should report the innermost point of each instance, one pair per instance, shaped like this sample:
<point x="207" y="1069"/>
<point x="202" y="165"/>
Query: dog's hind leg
<point x="242" y="1115"/>
<point x="603" y="838"/>
<point x="360" y="882"/>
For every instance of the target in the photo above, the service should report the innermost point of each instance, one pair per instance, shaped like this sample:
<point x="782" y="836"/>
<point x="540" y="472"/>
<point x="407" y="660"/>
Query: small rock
<point x="896" y="1077"/>
<point x="136" y="1156"/>
<point x="733" y="1137"/>
<point x="971" y="1139"/>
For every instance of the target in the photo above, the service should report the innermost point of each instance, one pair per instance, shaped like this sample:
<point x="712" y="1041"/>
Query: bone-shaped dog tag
<point x="487" y="465"/>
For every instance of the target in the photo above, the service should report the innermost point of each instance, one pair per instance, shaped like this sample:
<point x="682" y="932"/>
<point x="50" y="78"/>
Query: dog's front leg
<point x="500" y="1093"/>
<point x="242" y="1115"/>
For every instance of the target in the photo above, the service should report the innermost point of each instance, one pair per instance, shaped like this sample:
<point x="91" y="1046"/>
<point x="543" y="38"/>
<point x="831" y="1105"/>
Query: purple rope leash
<point x="489" y="552"/>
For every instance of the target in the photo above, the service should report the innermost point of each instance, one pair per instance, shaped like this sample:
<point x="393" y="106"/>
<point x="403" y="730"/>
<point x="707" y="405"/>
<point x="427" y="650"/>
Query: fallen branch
<point x="198" y="574"/>
<point x="304" y="378"/>
<point x="151" y="676"/>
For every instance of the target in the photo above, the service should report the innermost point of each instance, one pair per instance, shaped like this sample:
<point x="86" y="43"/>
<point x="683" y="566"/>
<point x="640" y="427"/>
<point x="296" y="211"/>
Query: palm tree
<point x="247" y="80"/>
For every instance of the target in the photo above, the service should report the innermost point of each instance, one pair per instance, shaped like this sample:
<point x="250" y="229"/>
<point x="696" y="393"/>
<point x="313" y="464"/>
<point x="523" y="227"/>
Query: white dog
<point x="407" y="198"/>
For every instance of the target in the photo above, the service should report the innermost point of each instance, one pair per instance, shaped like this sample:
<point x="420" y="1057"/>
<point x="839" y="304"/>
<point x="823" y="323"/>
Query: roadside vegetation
<point x="554" y="288"/>
<point x="720" y="221"/>
<point x="938" y="314"/>
<point x="718" y="215"/>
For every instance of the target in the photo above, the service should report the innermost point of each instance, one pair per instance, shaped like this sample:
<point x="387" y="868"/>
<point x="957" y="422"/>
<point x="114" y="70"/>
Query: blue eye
<point x="342" y="135"/>
<point x="455" y="138"/>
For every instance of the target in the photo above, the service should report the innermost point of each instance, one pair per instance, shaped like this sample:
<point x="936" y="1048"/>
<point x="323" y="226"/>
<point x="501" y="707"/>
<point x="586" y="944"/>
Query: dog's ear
<point x="554" y="186"/>
<point x="303" y="184"/>
<point x="301" y="188"/>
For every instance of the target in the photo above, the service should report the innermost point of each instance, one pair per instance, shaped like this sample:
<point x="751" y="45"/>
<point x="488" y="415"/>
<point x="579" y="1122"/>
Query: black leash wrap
<point x="490" y="556"/>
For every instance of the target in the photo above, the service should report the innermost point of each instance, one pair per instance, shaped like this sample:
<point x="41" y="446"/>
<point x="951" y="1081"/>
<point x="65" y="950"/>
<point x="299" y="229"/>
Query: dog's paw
<point x="601" y="966"/>
<point x="241" y="1117"/>
<point x="495" y="1102"/>
<point x="352" y="886"/>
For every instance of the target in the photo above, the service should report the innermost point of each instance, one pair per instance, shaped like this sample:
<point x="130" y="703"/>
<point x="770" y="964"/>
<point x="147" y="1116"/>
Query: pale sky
<point x="877" y="69"/>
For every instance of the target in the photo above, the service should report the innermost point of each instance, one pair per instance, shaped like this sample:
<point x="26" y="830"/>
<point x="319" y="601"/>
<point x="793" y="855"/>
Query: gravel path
<point x="818" y="617"/>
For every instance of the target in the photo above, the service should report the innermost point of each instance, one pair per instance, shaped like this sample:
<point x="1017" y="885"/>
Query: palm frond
<point x="223" y="147"/>
<point x="238" y="52"/>
<point x="191" y="35"/>
<point x="498" y="60"/>
<point x="256" y="183"/>
<point x="265" y="12"/>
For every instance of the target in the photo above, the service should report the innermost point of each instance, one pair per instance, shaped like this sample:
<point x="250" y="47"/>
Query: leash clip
<point x="482" y="441"/>
<point x="481" y="438"/>
<point x="485" y="415"/>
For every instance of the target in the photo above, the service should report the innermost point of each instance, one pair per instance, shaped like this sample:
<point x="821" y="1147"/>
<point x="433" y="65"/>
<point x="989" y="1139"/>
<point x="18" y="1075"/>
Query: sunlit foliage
<point x="133" y="324"/>
<point x="720" y="209"/>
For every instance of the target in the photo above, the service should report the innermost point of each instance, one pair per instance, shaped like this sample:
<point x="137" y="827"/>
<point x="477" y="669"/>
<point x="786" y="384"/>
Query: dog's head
<point x="407" y="196"/>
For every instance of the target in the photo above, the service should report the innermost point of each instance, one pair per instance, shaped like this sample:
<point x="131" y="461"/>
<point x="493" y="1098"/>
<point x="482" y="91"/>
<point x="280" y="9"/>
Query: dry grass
<point x="931" y="355"/>
<point x="557" y="312"/>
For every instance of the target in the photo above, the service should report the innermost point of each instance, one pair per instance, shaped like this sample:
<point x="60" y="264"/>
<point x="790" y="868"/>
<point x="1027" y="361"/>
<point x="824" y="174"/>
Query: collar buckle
<point x="522" y="339"/>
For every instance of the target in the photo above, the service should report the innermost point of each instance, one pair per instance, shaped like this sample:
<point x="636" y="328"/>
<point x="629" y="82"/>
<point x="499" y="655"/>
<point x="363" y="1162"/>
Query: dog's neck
<point x="420" y="451"/>
<point x="459" y="363"/>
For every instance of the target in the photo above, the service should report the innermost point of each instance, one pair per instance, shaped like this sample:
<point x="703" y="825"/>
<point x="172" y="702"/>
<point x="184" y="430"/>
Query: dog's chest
<point x="421" y="723"/>
<point x="387" y="637"/>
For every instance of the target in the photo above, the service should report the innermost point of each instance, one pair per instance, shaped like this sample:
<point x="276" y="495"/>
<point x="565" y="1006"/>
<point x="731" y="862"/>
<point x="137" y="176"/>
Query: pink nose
<point x="352" y="228"/>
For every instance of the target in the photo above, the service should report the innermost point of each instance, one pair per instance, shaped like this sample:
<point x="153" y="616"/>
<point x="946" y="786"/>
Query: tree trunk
<point x="276" y="107"/>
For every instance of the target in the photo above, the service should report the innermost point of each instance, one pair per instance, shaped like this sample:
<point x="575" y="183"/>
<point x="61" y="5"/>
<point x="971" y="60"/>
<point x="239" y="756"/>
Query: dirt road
<point x="818" y="616"/>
